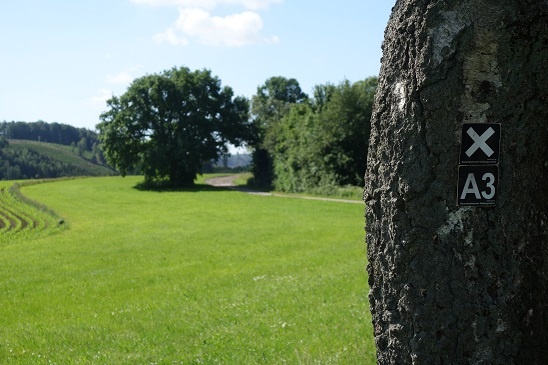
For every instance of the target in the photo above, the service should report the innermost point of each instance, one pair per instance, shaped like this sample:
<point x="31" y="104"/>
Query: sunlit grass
<point x="199" y="276"/>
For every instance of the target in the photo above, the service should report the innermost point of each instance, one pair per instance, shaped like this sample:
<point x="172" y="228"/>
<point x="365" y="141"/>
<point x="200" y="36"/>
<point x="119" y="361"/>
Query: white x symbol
<point x="479" y="142"/>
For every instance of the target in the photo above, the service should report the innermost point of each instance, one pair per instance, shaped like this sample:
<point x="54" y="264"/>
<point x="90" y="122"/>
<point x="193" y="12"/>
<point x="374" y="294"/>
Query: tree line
<point x="302" y="143"/>
<point x="25" y="162"/>
<point x="170" y="125"/>
<point x="58" y="133"/>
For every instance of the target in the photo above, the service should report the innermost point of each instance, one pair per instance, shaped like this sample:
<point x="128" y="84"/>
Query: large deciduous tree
<point x="170" y="124"/>
<point x="455" y="284"/>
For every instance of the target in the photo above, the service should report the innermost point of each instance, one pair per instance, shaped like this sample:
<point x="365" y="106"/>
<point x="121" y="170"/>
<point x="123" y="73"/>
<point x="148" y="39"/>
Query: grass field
<point x="202" y="276"/>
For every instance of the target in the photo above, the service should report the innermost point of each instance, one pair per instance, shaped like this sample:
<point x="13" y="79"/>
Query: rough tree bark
<point x="452" y="284"/>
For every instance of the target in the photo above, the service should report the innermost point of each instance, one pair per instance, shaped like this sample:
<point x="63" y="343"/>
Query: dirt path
<point x="222" y="181"/>
<point x="228" y="181"/>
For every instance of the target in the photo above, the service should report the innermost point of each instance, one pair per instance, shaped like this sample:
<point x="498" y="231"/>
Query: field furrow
<point x="6" y="223"/>
<point x="10" y="222"/>
<point x="21" y="218"/>
<point x="23" y="222"/>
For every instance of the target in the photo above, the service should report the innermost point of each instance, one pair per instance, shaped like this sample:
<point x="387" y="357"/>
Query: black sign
<point x="478" y="185"/>
<point x="480" y="143"/>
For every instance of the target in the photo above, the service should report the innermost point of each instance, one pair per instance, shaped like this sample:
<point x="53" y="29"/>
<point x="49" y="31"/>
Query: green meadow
<point x="198" y="276"/>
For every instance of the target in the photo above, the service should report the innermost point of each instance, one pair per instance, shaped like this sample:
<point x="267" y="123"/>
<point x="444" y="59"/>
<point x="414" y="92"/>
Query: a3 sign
<point x="478" y="164"/>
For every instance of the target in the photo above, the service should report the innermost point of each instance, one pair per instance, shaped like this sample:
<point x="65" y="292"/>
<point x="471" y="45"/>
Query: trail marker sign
<point x="480" y="143"/>
<point x="477" y="185"/>
<point x="478" y="177"/>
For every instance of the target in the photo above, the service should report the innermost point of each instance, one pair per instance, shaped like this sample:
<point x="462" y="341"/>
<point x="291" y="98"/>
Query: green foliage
<point x="344" y="128"/>
<point x="41" y="131"/>
<point x="323" y="144"/>
<point x="170" y="125"/>
<point x="83" y="141"/>
<point x="298" y="166"/>
<point x="182" y="277"/>
<point x="21" y="159"/>
<point x="273" y="100"/>
<point x="3" y="142"/>
<point x="271" y="103"/>
<point x="347" y="192"/>
<point x="263" y="169"/>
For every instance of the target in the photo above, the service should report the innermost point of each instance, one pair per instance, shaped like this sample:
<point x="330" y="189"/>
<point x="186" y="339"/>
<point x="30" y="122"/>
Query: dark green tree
<point x="169" y="125"/>
<point x="344" y="128"/>
<point x="3" y="142"/>
<point x="271" y="103"/>
<point x="298" y="166"/>
<point x="81" y="146"/>
<point x="323" y="143"/>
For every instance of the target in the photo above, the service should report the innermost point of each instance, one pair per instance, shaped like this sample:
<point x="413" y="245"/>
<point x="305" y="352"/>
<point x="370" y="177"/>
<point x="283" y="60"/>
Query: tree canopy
<point x="312" y="142"/>
<point x="170" y="124"/>
<point x="48" y="132"/>
<point x="271" y="103"/>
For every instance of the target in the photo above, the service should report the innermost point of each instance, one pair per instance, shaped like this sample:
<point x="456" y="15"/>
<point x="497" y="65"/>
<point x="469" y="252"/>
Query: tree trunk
<point x="455" y="284"/>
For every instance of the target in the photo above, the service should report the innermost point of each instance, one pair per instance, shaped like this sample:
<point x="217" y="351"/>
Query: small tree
<point x="81" y="145"/>
<point x="170" y="124"/>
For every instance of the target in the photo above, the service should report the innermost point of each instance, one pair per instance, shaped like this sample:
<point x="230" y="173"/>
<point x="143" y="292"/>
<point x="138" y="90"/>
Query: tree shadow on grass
<point x="165" y="187"/>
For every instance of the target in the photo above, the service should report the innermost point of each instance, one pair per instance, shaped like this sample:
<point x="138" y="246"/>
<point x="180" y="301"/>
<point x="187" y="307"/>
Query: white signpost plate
<point x="478" y="177"/>
<point x="478" y="185"/>
<point x="480" y="144"/>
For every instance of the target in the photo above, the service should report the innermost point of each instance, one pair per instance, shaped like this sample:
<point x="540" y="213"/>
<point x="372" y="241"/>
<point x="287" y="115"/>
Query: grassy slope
<point x="63" y="154"/>
<point x="198" y="277"/>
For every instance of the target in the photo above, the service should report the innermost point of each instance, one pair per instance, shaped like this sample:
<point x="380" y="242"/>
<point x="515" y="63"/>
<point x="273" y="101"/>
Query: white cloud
<point x="120" y="79"/>
<point x="101" y="98"/>
<point x="209" y="4"/>
<point x="235" y="30"/>
<point x="124" y="77"/>
<point x="170" y="36"/>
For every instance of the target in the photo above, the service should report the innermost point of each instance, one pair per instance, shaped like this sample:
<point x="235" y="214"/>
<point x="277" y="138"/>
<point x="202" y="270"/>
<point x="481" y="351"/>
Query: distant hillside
<point x="235" y="161"/>
<point x="41" y="131"/>
<point x="240" y="160"/>
<point x="229" y="163"/>
<point x="23" y="159"/>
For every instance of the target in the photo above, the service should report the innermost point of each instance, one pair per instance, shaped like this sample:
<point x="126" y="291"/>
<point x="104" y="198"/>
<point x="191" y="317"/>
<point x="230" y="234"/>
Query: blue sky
<point x="61" y="59"/>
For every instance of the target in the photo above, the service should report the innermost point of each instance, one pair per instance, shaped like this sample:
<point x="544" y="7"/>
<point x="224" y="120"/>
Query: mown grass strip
<point x="22" y="218"/>
<point x="12" y="221"/>
<point x="6" y="221"/>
